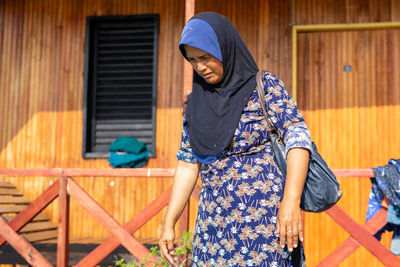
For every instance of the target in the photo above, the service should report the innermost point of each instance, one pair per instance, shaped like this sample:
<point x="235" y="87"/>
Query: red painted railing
<point x="66" y="187"/>
<point x="359" y="235"/>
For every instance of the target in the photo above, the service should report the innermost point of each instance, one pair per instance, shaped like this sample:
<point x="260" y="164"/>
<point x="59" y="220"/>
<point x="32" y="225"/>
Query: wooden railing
<point x="359" y="235"/>
<point x="65" y="187"/>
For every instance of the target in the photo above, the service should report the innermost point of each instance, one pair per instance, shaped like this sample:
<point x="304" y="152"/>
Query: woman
<point x="249" y="214"/>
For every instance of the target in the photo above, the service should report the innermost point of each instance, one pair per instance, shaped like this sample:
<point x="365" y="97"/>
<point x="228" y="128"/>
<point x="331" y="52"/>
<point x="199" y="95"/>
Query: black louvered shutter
<point x="120" y="81"/>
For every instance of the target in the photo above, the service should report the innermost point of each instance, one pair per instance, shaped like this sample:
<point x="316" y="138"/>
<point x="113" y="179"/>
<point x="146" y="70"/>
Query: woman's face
<point x="205" y="64"/>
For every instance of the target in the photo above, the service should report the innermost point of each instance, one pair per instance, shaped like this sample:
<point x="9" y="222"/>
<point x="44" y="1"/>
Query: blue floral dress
<point x="241" y="192"/>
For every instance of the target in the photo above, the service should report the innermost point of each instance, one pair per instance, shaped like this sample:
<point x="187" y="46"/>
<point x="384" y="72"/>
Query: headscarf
<point x="213" y="111"/>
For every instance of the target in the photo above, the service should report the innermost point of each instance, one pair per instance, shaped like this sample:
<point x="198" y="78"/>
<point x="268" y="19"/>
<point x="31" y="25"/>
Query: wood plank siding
<point x="353" y="116"/>
<point x="41" y="98"/>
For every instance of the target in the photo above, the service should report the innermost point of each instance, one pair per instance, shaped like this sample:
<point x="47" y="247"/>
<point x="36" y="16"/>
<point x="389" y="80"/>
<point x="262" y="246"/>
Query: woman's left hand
<point x="289" y="225"/>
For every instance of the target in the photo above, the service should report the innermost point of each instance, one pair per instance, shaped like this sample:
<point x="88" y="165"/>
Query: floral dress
<point x="241" y="192"/>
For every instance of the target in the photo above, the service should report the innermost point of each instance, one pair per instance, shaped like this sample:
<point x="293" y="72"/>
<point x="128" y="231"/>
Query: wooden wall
<point x="41" y="89"/>
<point x="264" y="27"/>
<point x="343" y="11"/>
<point x="41" y="100"/>
<point x="353" y="115"/>
<point x="352" y="118"/>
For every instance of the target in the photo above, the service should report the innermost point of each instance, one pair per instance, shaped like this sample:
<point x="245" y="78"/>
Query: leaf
<point x="154" y="251"/>
<point x="180" y="251"/>
<point x="118" y="263"/>
<point x="154" y="257"/>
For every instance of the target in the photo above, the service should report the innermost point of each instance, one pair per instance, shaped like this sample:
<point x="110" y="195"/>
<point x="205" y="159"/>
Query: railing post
<point x="63" y="224"/>
<point x="187" y="68"/>
<point x="184" y="220"/>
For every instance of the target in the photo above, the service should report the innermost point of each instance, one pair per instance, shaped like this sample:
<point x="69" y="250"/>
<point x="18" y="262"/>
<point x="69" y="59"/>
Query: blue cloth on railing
<point x="388" y="178"/>
<point x="395" y="163"/>
<point x="387" y="183"/>
<point x="127" y="152"/>
<point x="374" y="205"/>
<point x="393" y="216"/>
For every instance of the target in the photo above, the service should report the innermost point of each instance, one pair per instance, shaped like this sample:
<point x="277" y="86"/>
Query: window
<point x="120" y="81"/>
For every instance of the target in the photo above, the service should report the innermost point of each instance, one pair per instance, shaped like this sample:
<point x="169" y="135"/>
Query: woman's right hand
<point x="184" y="181"/>
<point x="166" y="244"/>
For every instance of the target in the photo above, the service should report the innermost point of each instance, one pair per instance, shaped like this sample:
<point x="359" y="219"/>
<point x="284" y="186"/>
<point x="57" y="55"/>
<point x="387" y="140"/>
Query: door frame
<point x="325" y="28"/>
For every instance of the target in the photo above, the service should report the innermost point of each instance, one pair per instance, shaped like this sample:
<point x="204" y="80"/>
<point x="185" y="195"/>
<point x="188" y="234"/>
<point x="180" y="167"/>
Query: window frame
<point x="90" y="65"/>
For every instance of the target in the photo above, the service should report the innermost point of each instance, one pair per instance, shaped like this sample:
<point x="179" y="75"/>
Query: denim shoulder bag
<point x="321" y="189"/>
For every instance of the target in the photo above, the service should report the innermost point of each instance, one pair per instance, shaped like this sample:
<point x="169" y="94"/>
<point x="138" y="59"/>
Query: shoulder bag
<point x="321" y="189"/>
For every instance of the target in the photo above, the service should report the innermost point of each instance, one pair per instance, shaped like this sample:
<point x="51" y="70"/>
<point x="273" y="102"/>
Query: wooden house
<point x="339" y="59"/>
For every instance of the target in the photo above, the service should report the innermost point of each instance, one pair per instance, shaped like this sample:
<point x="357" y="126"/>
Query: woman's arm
<point x="289" y="121"/>
<point x="185" y="178"/>
<point x="289" y="224"/>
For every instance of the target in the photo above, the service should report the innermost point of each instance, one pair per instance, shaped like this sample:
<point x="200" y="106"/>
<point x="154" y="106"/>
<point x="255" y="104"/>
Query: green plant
<point x="183" y="252"/>
<point x="122" y="263"/>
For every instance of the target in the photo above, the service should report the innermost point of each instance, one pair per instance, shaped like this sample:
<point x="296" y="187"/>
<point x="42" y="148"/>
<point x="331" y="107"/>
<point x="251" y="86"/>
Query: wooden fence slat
<point x="137" y="172"/>
<point x="100" y="252"/>
<point x="187" y="68"/>
<point x="196" y="192"/>
<point x="26" y="250"/>
<point x="63" y="225"/>
<point x="121" y="172"/>
<point x="367" y="173"/>
<point x="80" y="172"/>
<point x="350" y="245"/>
<point x="363" y="237"/>
<point x="33" y="208"/>
<point x="31" y="172"/>
<point x="184" y="220"/>
<point x="106" y="220"/>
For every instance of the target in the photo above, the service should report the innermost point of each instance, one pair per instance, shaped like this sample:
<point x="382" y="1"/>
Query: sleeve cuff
<point x="188" y="157"/>
<point x="298" y="136"/>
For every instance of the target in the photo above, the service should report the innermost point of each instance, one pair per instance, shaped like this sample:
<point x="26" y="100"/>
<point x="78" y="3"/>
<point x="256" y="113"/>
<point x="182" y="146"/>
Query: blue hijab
<point x="213" y="111"/>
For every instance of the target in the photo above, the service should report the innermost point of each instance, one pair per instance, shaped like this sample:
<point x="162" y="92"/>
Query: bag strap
<point x="261" y="98"/>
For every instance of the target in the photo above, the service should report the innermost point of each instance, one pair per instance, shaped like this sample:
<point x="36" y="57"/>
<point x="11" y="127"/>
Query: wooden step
<point x="41" y="236"/>
<point x="10" y="191"/>
<point x="6" y="184"/>
<point x="14" y="200"/>
<point x="38" y="226"/>
<point x="38" y="218"/>
<point x="12" y="208"/>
